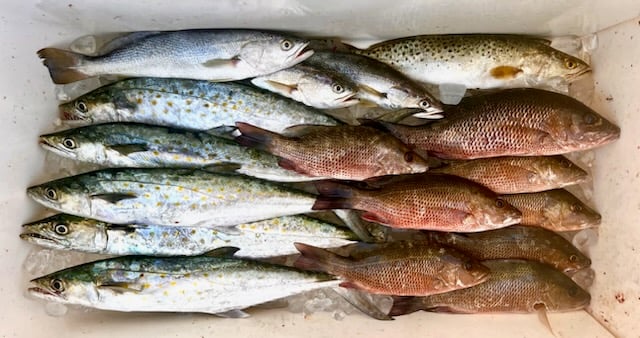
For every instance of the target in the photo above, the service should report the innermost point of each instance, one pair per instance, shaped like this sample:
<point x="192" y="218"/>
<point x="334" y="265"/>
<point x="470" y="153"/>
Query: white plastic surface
<point x="28" y="108"/>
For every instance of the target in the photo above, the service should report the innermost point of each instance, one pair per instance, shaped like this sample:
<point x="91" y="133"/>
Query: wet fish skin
<point x="204" y="54"/>
<point x="422" y="201"/>
<point x="513" y="122"/>
<point x="515" y="175"/>
<point x="172" y="197"/>
<point x="557" y="210"/>
<point x="477" y="61"/>
<point x="514" y="286"/>
<point x="518" y="242"/>
<point x="272" y="237"/>
<point x="215" y="285"/>
<point x="314" y="86"/>
<point x="397" y="268"/>
<point x="377" y="82"/>
<point x="341" y="152"/>
<point x="136" y="145"/>
<point x="188" y="104"/>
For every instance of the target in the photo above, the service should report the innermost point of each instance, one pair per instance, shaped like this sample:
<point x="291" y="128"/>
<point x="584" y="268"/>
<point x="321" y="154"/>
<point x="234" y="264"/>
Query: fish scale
<point x="469" y="59"/>
<point x="515" y="122"/>
<point x="190" y="104"/>
<point x="171" y="197"/>
<point x="513" y="175"/>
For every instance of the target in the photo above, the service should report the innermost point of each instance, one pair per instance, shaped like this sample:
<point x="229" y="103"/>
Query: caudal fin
<point x="63" y="65"/>
<point x="254" y="137"/>
<point x="315" y="259"/>
<point x="333" y="195"/>
<point x="405" y="305"/>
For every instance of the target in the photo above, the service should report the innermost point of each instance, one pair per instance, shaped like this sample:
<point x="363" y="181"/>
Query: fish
<point x="512" y="122"/>
<point x="203" y="54"/>
<point x="136" y="145"/>
<point x="188" y="104"/>
<point x="423" y="201"/>
<point x="557" y="210"/>
<point x="271" y="237"/>
<point x="396" y="268"/>
<point x="313" y="86"/>
<point x="513" y="286"/>
<point x="216" y="283"/>
<point x="515" y="175"/>
<point x="478" y="61"/>
<point x="517" y="242"/>
<point x="172" y="197"/>
<point x="378" y="83"/>
<point x="340" y="152"/>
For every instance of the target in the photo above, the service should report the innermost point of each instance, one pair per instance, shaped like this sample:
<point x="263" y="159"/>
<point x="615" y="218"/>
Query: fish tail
<point x="254" y="137"/>
<point x="316" y="259"/>
<point x="405" y="305"/>
<point x="333" y="196"/>
<point x="63" y="65"/>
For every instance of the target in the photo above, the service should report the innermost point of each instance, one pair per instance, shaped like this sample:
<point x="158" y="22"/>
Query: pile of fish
<point x="220" y="159"/>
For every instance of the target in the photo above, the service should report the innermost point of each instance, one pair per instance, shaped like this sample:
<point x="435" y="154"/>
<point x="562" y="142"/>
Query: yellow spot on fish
<point x="182" y="291"/>
<point x="165" y="110"/>
<point x="173" y="283"/>
<point x="154" y="102"/>
<point x="206" y="105"/>
<point x="220" y="197"/>
<point x="177" y="204"/>
<point x="234" y="107"/>
<point x="176" y="157"/>
<point x="252" y="227"/>
<point x="224" y="104"/>
<point x="187" y="102"/>
<point x="146" y="285"/>
<point x="157" y="187"/>
<point x="125" y="184"/>
<point x="139" y="101"/>
<point x="205" y="274"/>
<point x="165" y="234"/>
<point x="247" y="110"/>
<point x="188" y="110"/>
<point x="194" y="206"/>
<point x="239" y="190"/>
<point x="159" y="204"/>
<point x="163" y="275"/>
<point x="239" y="102"/>
<point x="147" y="195"/>
<point x="166" y="293"/>
<point x="169" y="103"/>
<point x="209" y="190"/>
<point x="215" y="104"/>
<point x="193" y="232"/>
<point x="158" y="96"/>
<point x="141" y="185"/>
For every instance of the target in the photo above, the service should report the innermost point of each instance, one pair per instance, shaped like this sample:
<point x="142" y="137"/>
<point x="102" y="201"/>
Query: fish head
<point x="75" y="144"/>
<point x="102" y="105"/>
<point x="565" y="212"/>
<point x="66" y="195"/>
<point x="555" y="171"/>
<point x="459" y="271"/>
<point x="406" y="97"/>
<point x="67" y="232"/>
<point x="562" y="293"/>
<point x="558" y="64"/>
<point x="326" y="91"/>
<point x="75" y="285"/>
<point x="489" y="211"/>
<point x="274" y="52"/>
<point x="397" y="158"/>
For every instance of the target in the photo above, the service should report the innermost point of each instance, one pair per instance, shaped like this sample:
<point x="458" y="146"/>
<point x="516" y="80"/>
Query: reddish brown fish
<point x="397" y="268"/>
<point x="514" y="286"/>
<point x="341" y="152"/>
<point x="517" y="242"/>
<point x="513" y="122"/>
<point x="515" y="175"/>
<point x="424" y="201"/>
<point x="556" y="210"/>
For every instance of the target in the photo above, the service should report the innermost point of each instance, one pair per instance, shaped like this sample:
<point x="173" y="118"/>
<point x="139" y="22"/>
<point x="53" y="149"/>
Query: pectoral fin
<point x="541" y="309"/>
<point x="126" y="149"/>
<point x="122" y="287"/>
<point x="505" y="72"/>
<point x="113" y="197"/>
<point x="223" y="252"/>
<point x="232" y="314"/>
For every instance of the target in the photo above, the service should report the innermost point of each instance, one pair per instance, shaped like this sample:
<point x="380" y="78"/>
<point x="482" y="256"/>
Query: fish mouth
<point x="36" y="238"/>
<point x="349" y="100"/>
<point x="304" y="53"/>
<point x="46" y="145"/>
<point x="579" y="74"/>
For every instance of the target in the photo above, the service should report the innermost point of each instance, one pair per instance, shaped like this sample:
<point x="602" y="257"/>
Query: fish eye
<point x="61" y="229"/>
<point x="69" y="143"/>
<point x="566" y="164"/>
<point x="468" y="266"/>
<point x="57" y="285"/>
<point x="51" y="194"/>
<point x="408" y="156"/>
<point x="424" y="104"/>
<point x="573" y="258"/>
<point x="573" y="291"/>
<point x="81" y="106"/>
<point x="576" y="207"/>
<point x="286" y="45"/>
<point x="589" y="119"/>
<point x="499" y="203"/>
<point x="570" y="64"/>
<point x="337" y="88"/>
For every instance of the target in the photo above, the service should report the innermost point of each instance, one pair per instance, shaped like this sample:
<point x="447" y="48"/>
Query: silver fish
<point x="190" y="104"/>
<point x="136" y="145"/>
<point x="205" y="54"/>
<point x="218" y="285"/>
<point x="177" y="197"/>
<point x="272" y="237"/>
